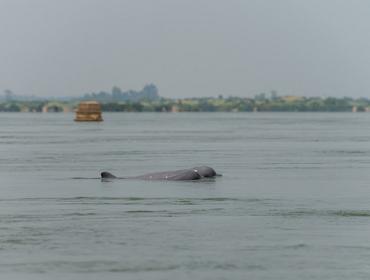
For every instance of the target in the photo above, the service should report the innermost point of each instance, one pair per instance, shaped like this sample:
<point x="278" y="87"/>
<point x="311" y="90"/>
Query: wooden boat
<point x="88" y="111"/>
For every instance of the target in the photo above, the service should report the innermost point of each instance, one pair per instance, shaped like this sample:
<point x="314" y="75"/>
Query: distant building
<point x="291" y="98"/>
<point x="175" y="109"/>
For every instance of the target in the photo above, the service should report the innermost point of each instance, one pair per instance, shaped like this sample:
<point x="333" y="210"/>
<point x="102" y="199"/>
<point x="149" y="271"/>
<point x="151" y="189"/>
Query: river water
<point x="293" y="201"/>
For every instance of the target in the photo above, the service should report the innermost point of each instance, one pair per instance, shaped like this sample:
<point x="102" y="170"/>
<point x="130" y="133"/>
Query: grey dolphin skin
<point x="206" y="171"/>
<point x="195" y="173"/>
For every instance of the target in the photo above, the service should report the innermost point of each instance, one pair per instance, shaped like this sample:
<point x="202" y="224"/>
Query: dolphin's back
<point x="195" y="173"/>
<point x="107" y="175"/>
<point x="177" y="175"/>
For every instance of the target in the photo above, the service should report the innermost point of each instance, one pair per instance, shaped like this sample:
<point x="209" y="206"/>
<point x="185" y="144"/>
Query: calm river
<point x="293" y="202"/>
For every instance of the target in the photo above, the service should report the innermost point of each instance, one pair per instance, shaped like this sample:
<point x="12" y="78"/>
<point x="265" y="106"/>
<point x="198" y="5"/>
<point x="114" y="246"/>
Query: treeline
<point x="237" y="104"/>
<point x="220" y="104"/>
<point x="148" y="100"/>
<point x="148" y="92"/>
<point x="22" y="106"/>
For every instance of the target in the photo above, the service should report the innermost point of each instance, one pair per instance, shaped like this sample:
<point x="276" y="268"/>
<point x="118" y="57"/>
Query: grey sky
<point x="186" y="47"/>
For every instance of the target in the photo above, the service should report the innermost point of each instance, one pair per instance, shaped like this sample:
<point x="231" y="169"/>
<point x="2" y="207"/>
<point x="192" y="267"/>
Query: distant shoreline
<point x="185" y="112"/>
<point x="220" y="104"/>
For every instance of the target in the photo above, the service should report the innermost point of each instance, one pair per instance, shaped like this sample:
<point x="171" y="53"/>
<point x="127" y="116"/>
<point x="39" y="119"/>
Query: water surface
<point x="294" y="201"/>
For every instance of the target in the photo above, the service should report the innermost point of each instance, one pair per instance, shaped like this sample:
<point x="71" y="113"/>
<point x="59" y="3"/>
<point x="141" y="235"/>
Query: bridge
<point x="56" y="106"/>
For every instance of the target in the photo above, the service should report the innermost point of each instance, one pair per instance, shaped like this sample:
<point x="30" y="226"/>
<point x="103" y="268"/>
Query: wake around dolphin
<point x="195" y="173"/>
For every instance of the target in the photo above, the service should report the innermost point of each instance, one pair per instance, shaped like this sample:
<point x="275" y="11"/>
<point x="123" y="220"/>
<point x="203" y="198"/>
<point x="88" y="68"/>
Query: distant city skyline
<point x="54" y="48"/>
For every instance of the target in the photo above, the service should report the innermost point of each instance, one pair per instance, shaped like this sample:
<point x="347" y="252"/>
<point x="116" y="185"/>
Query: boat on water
<point x="89" y="111"/>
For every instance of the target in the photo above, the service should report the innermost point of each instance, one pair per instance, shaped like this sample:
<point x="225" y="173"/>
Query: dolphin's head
<point x="205" y="171"/>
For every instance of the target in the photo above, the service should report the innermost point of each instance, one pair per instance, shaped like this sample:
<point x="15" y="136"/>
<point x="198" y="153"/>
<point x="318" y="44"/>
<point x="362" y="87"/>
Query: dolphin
<point x="195" y="173"/>
<point x="205" y="171"/>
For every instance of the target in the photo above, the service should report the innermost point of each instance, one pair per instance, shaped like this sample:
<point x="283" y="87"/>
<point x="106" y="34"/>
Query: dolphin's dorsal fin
<point x="107" y="175"/>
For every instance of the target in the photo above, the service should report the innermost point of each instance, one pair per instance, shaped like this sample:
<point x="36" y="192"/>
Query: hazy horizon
<point x="186" y="48"/>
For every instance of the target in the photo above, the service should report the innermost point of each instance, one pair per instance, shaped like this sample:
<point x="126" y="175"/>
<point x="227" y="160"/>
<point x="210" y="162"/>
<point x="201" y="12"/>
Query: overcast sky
<point x="186" y="47"/>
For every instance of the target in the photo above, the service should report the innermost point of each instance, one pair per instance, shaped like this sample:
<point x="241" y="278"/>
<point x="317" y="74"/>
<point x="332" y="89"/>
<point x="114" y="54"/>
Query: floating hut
<point x="88" y="111"/>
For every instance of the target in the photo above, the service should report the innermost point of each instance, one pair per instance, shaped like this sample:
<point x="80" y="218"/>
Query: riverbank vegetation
<point x="219" y="104"/>
<point x="148" y="100"/>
